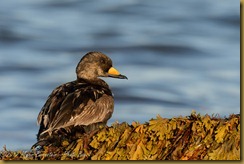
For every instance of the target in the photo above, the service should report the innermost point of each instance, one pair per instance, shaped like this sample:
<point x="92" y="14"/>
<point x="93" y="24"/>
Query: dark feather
<point x="75" y="104"/>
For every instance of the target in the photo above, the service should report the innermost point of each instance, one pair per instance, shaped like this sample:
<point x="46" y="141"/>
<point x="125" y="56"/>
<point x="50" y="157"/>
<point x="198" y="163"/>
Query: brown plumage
<point x="82" y="105"/>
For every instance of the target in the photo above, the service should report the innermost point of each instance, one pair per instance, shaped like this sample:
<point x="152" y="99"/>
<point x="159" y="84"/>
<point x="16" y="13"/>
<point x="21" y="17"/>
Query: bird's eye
<point x="102" y="61"/>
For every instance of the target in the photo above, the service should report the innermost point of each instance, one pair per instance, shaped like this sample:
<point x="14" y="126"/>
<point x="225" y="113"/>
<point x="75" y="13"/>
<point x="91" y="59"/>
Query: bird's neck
<point x="94" y="81"/>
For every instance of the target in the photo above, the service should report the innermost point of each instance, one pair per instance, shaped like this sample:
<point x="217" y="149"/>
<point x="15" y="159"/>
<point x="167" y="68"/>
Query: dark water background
<point x="179" y="55"/>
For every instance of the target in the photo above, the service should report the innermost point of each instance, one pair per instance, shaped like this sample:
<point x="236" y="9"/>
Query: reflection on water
<point x="178" y="57"/>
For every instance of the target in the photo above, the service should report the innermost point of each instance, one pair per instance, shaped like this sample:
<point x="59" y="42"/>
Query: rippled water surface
<point x="178" y="56"/>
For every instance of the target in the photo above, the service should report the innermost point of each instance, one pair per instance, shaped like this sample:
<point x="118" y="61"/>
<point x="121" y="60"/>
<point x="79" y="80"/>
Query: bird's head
<point x="96" y="64"/>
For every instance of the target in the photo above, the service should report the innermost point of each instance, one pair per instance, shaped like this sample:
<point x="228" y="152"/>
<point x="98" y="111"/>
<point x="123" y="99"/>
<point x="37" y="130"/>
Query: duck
<point x="82" y="105"/>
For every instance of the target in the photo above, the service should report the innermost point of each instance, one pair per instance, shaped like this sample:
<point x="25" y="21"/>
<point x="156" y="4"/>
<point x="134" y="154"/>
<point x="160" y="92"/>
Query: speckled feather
<point x="73" y="104"/>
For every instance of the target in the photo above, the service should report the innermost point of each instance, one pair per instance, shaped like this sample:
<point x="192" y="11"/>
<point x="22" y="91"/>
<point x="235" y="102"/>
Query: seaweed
<point x="193" y="137"/>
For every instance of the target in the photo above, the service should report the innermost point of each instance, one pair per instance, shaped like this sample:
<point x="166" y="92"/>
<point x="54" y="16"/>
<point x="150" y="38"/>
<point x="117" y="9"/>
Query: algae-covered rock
<point x="194" y="137"/>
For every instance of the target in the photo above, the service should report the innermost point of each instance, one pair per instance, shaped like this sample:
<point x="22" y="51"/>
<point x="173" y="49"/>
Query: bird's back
<point x="76" y="105"/>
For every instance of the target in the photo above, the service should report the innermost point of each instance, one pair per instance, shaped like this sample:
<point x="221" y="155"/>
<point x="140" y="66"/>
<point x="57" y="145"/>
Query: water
<point x="178" y="56"/>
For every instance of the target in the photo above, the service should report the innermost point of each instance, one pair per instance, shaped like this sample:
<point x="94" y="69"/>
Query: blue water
<point x="178" y="55"/>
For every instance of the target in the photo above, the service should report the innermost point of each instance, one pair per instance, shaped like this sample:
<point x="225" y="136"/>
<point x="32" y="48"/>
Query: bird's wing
<point x="87" y="113"/>
<point x="80" y="107"/>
